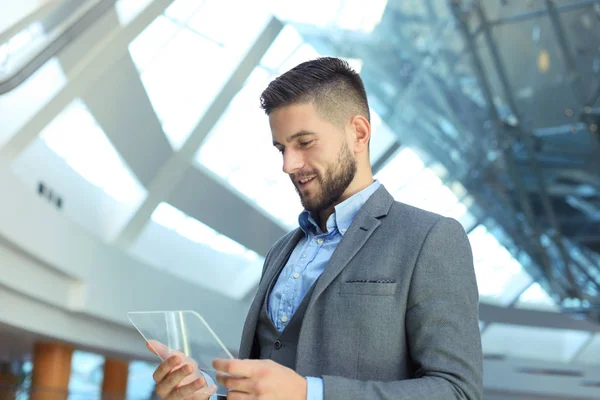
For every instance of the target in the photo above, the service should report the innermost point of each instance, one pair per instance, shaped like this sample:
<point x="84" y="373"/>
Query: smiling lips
<point x="304" y="182"/>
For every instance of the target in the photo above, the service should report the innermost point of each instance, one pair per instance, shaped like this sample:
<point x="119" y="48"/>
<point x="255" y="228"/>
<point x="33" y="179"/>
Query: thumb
<point x="158" y="348"/>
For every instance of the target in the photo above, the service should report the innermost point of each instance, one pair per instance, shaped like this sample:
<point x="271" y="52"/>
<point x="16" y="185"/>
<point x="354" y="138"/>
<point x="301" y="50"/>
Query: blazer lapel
<point x="363" y="226"/>
<point x="271" y="271"/>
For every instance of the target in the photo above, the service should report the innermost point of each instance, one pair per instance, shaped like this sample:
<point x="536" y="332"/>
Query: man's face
<point x="316" y="155"/>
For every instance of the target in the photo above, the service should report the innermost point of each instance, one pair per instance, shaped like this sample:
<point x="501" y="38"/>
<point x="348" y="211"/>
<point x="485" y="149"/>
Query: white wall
<point x="59" y="280"/>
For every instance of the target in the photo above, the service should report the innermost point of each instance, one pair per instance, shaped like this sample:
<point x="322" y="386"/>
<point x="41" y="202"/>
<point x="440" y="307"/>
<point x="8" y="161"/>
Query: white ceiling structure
<point x="161" y="189"/>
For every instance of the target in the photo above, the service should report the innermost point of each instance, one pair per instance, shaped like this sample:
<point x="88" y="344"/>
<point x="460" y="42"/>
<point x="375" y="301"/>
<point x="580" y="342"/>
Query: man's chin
<point x="310" y="206"/>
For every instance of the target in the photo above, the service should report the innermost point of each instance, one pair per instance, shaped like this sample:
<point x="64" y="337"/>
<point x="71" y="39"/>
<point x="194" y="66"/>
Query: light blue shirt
<point x="308" y="261"/>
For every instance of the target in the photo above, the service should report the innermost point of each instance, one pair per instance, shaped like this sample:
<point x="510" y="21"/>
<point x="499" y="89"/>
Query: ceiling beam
<point x="120" y="105"/>
<point x="204" y="197"/>
<point x="171" y="173"/>
<point x="90" y="68"/>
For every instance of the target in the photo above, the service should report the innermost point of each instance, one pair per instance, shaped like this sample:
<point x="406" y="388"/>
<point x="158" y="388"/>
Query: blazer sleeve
<point x="442" y="327"/>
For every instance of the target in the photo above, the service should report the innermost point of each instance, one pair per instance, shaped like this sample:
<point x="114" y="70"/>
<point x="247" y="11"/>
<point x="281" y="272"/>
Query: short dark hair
<point x="329" y="83"/>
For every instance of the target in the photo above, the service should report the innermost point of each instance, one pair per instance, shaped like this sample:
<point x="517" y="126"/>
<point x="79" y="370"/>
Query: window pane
<point x="75" y="136"/>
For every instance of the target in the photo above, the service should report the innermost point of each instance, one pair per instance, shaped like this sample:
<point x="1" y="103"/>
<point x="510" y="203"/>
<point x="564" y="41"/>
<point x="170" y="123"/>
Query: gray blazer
<point x="394" y="314"/>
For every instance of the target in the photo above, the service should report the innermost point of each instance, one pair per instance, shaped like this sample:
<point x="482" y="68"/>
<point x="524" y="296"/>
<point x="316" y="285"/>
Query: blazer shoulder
<point x="405" y="213"/>
<point x="422" y="220"/>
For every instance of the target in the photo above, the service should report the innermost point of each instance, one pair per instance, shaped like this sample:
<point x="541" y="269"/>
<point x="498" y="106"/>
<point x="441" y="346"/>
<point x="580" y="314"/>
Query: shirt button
<point x="277" y="344"/>
<point x="284" y="318"/>
<point x="320" y="241"/>
<point x="296" y="275"/>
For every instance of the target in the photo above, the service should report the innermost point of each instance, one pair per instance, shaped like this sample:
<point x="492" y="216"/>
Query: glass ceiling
<point x="76" y="137"/>
<point x="537" y="298"/>
<point x="251" y="166"/>
<point x="341" y="14"/>
<point x="194" y="230"/>
<point x="186" y="55"/>
<point x="20" y="46"/>
<point x="22" y="103"/>
<point x="181" y="83"/>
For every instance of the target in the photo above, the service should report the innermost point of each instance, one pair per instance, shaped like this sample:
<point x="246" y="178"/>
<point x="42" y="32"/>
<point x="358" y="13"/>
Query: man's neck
<point x="324" y="215"/>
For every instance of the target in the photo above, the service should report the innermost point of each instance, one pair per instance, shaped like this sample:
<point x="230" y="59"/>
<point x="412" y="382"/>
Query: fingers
<point x="208" y="390"/>
<point x="239" y="368"/>
<point x="237" y="384"/>
<point x="167" y="387"/>
<point x="185" y="391"/>
<point x="165" y="367"/>
<point x="231" y="395"/>
<point x="158" y="348"/>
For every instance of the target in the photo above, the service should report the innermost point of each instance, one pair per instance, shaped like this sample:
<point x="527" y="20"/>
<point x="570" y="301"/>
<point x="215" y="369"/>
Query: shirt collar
<point x="343" y="215"/>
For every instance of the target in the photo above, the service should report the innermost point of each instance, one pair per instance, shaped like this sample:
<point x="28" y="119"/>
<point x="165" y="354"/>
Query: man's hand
<point x="260" y="379"/>
<point x="178" y="377"/>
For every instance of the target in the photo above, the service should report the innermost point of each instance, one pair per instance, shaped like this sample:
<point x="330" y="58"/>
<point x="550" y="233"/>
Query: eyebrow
<point x="294" y="136"/>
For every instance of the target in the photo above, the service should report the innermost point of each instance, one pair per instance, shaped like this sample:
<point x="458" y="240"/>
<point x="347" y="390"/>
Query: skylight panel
<point x="499" y="275"/>
<point x="400" y="169"/>
<point x="76" y="137"/>
<point x="535" y="297"/>
<point x="194" y="230"/>
<point x="186" y="56"/>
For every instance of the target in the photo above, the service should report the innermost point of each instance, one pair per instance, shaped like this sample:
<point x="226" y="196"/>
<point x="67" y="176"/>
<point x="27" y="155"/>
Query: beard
<point x="332" y="183"/>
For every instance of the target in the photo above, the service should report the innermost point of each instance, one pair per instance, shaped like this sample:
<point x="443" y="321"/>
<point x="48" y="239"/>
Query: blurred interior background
<point x="137" y="171"/>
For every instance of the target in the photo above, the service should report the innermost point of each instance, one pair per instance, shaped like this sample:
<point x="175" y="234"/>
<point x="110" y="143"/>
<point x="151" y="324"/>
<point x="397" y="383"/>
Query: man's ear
<point x="362" y="133"/>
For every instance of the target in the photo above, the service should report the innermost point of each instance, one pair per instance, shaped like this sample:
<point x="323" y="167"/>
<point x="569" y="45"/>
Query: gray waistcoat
<point x="280" y="347"/>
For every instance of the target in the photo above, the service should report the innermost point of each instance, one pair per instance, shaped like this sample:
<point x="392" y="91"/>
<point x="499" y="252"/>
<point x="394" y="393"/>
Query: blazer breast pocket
<point x="368" y="288"/>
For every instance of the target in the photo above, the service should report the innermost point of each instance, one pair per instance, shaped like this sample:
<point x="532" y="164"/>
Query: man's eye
<point x="304" y="144"/>
<point x="280" y="150"/>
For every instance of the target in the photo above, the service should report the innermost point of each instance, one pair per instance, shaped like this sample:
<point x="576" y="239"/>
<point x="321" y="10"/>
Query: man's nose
<point x="292" y="161"/>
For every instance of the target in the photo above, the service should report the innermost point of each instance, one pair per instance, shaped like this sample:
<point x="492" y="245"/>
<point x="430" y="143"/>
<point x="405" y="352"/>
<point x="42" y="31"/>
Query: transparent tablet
<point x="184" y="333"/>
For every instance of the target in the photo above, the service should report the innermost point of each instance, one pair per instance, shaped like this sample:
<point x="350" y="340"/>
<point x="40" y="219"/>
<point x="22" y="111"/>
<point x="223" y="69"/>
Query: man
<point x="369" y="298"/>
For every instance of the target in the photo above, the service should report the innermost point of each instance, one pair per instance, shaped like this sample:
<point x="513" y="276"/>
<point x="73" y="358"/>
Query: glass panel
<point x="404" y="166"/>
<point x="382" y="137"/>
<point x="535" y="297"/>
<point x="18" y="49"/>
<point x="23" y="102"/>
<point x="419" y="188"/>
<point x="304" y="12"/>
<point x="499" y="276"/>
<point x="285" y="44"/>
<point x="188" y="335"/>
<point x="182" y="83"/>
<point x="194" y="230"/>
<point x="558" y="345"/>
<point x="192" y="84"/>
<point x="355" y="16"/>
<point x="145" y="47"/>
<point x="343" y="14"/>
<point x="76" y="137"/>
<point x="127" y="10"/>
<point x="182" y="10"/>
<point x="252" y="166"/>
